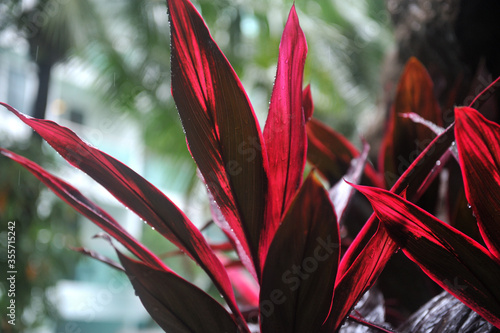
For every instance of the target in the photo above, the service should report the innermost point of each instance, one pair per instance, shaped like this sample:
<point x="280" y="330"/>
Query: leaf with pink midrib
<point x="359" y="263"/>
<point x="222" y="131"/>
<point x="452" y="259"/>
<point x="138" y="195"/>
<point x="284" y="132"/>
<point x="478" y="143"/>
<point x="87" y="208"/>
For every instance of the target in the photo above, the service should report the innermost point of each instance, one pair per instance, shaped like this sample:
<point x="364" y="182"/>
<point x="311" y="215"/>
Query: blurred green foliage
<point x="44" y="229"/>
<point x="347" y="41"/>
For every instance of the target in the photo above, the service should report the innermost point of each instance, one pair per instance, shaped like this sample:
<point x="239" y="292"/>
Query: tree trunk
<point x="40" y="106"/>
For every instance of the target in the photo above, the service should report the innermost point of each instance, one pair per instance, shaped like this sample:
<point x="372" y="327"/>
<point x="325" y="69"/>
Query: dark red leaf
<point x="222" y="131"/>
<point x="108" y="261"/>
<point x="485" y="94"/>
<point x="285" y="133"/>
<point x="87" y="208"/>
<point x="404" y="140"/>
<point x="175" y="304"/>
<point x="299" y="274"/>
<point x="478" y="142"/>
<point x="246" y="287"/>
<point x="331" y="154"/>
<point x="307" y="103"/>
<point x="366" y="323"/>
<point x="452" y="259"/>
<point x="100" y="257"/>
<point x="138" y="195"/>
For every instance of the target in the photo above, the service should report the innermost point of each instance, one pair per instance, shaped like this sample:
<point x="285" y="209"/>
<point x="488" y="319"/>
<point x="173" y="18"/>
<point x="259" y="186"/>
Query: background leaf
<point x="404" y="139"/>
<point x="331" y="153"/>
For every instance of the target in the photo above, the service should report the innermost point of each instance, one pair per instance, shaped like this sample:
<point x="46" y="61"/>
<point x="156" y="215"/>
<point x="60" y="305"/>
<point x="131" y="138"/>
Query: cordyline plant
<point x="284" y="229"/>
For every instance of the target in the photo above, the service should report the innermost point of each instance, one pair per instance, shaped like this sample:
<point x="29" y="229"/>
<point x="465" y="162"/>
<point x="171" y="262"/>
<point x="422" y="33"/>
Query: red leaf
<point x="299" y="274"/>
<point x="307" y="103"/>
<point x="404" y="139"/>
<point x="138" y="195"/>
<point x="373" y="240"/>
<point x="460" y="215"/>
<point x="360" y="276"/>
<point x="246" y="287"/>
<point x="87" y="208"/>
<point x="452" y="259"/>
<point x="222" y="132"/>
<point x="227" y="246"/>
<point x="284" y="133"/>
<point x="175" y="304"/>
<point x="413" y="181"/>
<point x="331" y="154"/>
<point x="478" y="142"/>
